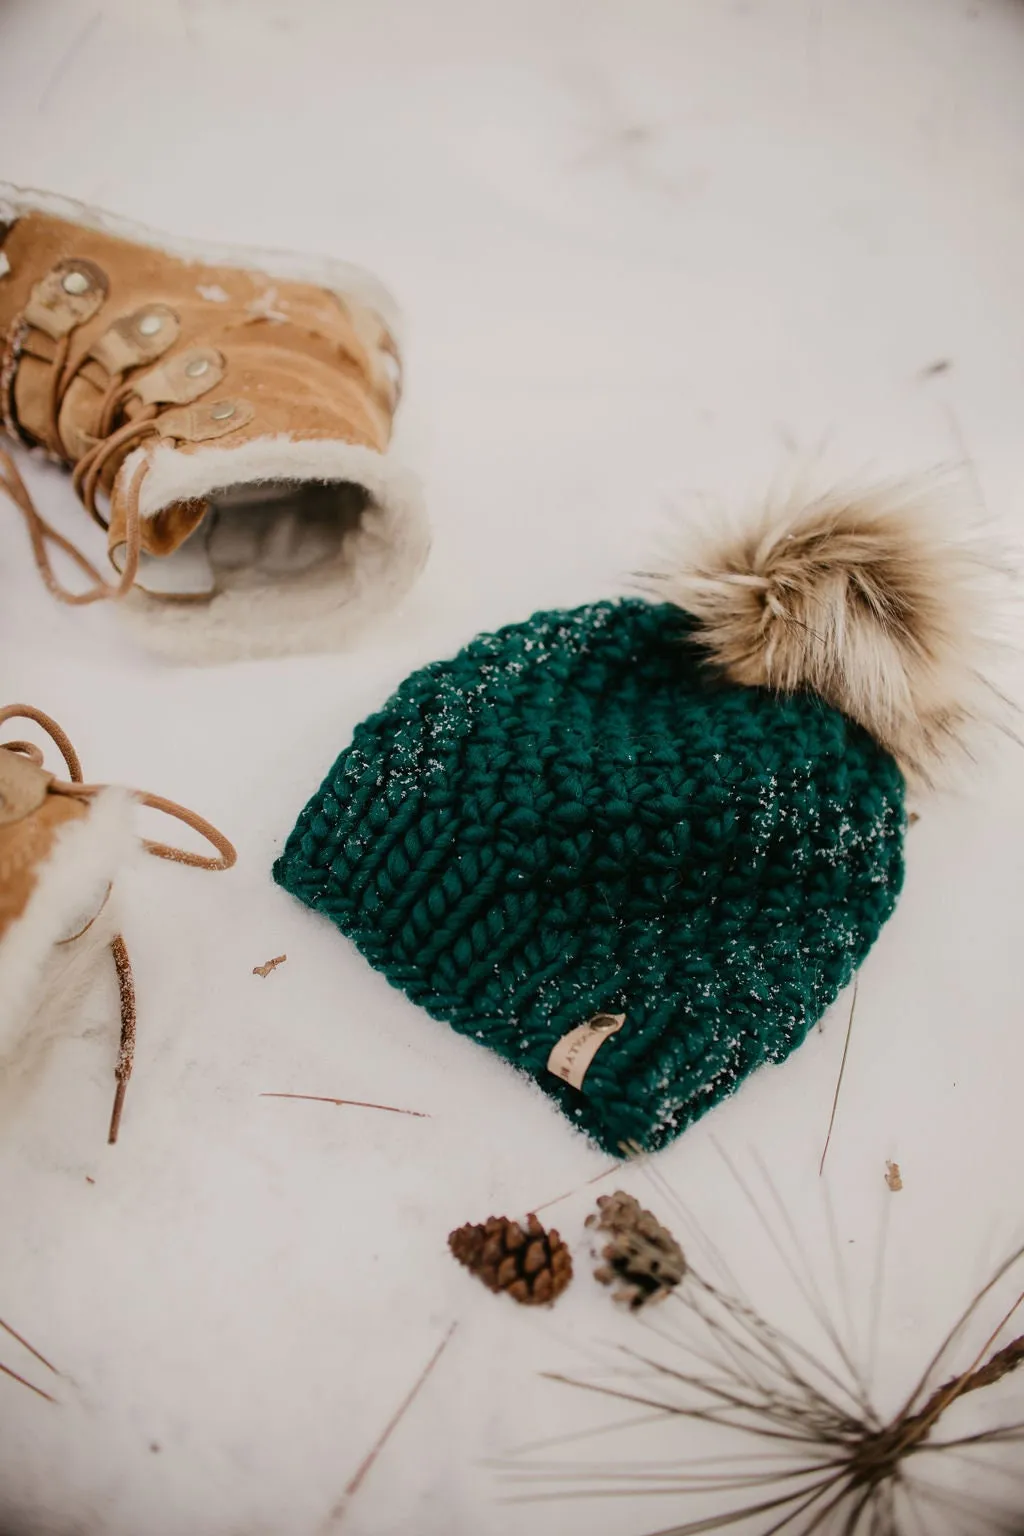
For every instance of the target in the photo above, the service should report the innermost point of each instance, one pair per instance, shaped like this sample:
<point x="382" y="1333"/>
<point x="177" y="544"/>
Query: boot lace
<point x="86" y="475"/>
<point x="75" y="786"/>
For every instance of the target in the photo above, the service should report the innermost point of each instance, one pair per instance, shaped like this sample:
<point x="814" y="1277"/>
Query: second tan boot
<point x="63" y="847"/>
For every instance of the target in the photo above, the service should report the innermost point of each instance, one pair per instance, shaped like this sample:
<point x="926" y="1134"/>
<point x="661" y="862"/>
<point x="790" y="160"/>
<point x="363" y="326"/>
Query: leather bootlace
<point x="86" y="474"/>
<point x="75" y="786"/>
<point x="43" y="534"/>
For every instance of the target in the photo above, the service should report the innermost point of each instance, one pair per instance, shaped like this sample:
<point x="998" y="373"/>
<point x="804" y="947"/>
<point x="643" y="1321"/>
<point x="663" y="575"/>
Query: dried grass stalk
<point x="813" y="1452"/>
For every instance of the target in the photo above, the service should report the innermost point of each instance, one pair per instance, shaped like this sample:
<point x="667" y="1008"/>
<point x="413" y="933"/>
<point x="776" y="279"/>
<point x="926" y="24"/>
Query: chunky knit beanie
<point x="637" y="848"/>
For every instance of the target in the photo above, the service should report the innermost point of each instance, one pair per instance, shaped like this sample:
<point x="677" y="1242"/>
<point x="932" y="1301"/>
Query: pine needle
<point x="319" y="1098"/>
<point x="358" y="1477"/>
<point x="569" y="1193"/>
<point x="839" y="1080"/>
<point x="30" y="1347"/>
<point x="6" y="1370"/>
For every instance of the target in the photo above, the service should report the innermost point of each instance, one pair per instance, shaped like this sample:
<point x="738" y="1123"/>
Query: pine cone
<point x="533" y="1266"/>
<point x="642" y="1259"/>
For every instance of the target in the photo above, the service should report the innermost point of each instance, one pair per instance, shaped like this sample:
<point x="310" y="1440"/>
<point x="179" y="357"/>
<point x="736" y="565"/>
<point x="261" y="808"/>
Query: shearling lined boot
<point x="227" y="416"/>
<point x="63" y="844"/>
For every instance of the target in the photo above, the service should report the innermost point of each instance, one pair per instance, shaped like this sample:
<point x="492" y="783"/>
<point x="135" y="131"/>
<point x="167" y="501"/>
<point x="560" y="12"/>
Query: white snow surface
<point x="649" y="254"/>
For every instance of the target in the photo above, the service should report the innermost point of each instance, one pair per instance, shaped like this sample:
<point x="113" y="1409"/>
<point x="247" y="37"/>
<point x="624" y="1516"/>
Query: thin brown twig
<point x="126" y="1050"/>
<point x="965" y="1315"/>
<point x="15" y="1377"/>
<point x="319" y="1098"/>
<point x="30" y="1347"/>
<point x="711" y="1416"/>
<point x="917" y="1425"/>
<point x="839" y="1080"/>
<point x="356" y="1480"/>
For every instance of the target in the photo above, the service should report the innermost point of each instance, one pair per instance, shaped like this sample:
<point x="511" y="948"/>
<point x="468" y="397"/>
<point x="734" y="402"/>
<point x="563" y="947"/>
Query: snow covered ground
<point x="648" y="252"/>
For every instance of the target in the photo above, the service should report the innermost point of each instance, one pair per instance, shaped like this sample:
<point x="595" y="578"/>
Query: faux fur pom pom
<point x="874" y="602"/>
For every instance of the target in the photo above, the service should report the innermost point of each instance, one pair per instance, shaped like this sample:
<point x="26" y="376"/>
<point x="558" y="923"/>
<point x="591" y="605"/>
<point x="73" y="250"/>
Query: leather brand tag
<point x="571" y="1056"/>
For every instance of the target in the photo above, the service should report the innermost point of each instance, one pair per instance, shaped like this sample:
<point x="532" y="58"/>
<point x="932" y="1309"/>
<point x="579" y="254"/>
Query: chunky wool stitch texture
<point x="576" y="815"/>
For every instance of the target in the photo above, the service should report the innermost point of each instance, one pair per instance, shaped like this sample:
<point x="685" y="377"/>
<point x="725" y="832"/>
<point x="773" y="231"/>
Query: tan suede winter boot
<point x="62" y="845"/>
<point x="228" y="417"/>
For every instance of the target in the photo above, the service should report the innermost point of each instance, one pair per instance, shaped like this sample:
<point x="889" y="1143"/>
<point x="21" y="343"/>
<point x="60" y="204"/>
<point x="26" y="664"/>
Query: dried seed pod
<point x="533" y="1266"/>
<point x="642" y="1259"/>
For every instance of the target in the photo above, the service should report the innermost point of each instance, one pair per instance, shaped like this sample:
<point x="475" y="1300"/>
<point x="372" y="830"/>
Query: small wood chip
<point x="271" y="965"/>
<point x="893" y="1177"/>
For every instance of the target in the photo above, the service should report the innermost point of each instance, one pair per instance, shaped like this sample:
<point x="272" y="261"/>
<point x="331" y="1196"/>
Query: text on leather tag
<point x="571" y="1056"/>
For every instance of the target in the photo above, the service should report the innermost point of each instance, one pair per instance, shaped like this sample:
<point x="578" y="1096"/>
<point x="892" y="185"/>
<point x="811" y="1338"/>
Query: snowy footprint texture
<point x="657" y="262"/>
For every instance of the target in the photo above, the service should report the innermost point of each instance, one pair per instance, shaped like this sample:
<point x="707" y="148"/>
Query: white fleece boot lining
<point x="254" y="536"/>
<point x="282" y="530"/>
<point x="306" y="542"/>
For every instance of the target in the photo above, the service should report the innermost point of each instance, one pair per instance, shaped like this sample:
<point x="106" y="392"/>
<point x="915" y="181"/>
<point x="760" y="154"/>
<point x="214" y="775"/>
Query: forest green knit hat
<point x="637" y="848"/>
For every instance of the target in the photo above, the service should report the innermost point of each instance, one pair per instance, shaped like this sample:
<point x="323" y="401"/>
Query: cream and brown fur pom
<point x="873" y="601"/>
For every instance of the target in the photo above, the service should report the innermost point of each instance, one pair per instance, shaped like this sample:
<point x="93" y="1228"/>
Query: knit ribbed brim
<point x="576" y="816"/>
